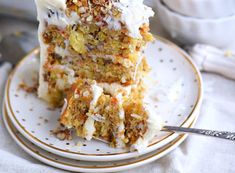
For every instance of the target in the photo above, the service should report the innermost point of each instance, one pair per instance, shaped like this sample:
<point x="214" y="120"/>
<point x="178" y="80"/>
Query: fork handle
<point x="209" y="133"/>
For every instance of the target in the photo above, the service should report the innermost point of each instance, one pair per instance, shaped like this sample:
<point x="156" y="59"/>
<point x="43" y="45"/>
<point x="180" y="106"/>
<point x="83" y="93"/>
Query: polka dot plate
<point x="175" y="91"/>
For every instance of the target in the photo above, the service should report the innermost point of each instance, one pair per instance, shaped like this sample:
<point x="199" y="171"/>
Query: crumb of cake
<point x="28" y="89"/>
<point x="79" y="144"/>
<point x="51" y="108"/>
<point x="62" y="134"/>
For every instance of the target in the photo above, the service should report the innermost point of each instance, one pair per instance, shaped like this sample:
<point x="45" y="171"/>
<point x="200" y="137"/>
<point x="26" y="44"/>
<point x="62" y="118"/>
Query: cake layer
<point x="60" y="73"/>
<point x="91" y="40"/>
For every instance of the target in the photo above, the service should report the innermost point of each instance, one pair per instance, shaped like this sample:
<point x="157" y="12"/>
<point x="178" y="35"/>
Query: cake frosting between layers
<point x="91" y="57"/>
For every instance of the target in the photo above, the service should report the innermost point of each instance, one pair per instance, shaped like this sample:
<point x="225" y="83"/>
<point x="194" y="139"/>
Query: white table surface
<point x="196" y="154"/>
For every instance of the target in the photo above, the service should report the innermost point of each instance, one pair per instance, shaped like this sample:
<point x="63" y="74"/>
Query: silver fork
<point x="209" y="133"/>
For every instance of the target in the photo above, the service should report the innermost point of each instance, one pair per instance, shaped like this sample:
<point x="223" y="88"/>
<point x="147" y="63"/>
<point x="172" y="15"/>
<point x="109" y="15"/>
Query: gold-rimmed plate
<point x="86" y="166"/>
<point x="177" y="91"/>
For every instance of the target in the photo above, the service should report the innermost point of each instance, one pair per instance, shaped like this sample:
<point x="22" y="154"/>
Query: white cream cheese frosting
<point x="115" y="88"/>
<point x="121" y="129"/>
<point x="97" y="91"/>
<point x="134" y="15"/>
<point x="89" y="128"/>
<point x="155" y="124"/>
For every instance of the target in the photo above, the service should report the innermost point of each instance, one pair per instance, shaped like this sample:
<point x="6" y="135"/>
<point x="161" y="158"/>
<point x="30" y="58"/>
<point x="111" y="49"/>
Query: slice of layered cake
<point x="92" y="62"/>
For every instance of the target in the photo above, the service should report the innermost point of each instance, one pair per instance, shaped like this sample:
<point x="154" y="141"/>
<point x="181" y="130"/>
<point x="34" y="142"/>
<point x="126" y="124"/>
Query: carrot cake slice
<point x="92" y="62"/>
<point x="112" y="113"/>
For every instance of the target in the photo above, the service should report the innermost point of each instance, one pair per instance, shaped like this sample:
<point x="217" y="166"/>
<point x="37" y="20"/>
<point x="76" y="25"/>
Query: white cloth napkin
<point x="196" y="154"/>
<point x="212" y="59"/>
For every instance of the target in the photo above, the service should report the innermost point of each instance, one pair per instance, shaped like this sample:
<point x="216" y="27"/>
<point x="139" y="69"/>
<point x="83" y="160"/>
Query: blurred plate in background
<point x="19" y="8"/>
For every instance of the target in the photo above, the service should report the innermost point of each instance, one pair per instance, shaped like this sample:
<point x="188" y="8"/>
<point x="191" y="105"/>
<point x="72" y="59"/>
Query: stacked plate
<point x="198" y="21"/>
<point x="29" y="120"/>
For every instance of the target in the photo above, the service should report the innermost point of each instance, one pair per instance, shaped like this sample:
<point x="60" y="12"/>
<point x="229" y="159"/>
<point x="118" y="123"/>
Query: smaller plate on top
<point x="176" y="91"/>
<point x="86" y="166"/>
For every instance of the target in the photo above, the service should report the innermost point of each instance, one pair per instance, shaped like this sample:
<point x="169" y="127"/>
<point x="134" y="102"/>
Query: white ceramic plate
<point x="199" y="8"/>
<point x="177" y="88"/>
<point x="84" y="166"/>
<point x="186" y="30"/>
